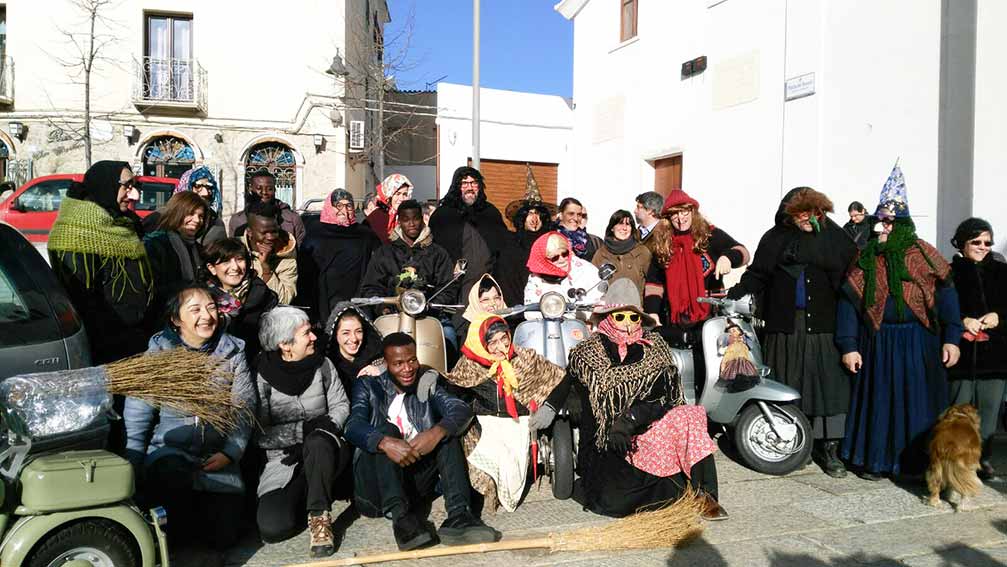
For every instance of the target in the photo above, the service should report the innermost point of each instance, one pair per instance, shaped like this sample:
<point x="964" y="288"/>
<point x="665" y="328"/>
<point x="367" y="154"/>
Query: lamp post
<point x="475" y="84"/>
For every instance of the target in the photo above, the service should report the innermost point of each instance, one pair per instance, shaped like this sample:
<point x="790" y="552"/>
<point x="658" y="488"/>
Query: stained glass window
<point x="279" y="160"/>
<point x="168" y="156"/>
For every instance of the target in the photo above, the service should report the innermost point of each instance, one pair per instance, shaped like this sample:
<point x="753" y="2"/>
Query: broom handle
<point x="442" y="551"/>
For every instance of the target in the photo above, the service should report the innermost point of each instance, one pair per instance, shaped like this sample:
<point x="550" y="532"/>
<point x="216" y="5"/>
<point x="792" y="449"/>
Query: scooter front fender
<point x="22" y="537"/>
<point x="724" y="406"/>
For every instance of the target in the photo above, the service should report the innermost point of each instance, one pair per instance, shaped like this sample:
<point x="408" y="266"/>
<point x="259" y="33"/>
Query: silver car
<point x="39" y="329"/>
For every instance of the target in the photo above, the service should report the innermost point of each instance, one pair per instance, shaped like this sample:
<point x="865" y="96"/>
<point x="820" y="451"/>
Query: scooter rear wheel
<point x="97" y="542"/>
<point x="562" y="455"/>
<point x="762" y="449"/>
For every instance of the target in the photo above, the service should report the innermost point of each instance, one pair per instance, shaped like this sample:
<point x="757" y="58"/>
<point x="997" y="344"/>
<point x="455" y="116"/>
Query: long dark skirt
<point x="897" y="395"/>
<point x="812" y="365"/>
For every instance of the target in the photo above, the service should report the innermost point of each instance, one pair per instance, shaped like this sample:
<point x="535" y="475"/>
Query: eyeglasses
<point x="131" y="184"/>
<point x="347" y="206"/>
<point x="680" y="212"/>
<point x="978" y="242"/>
<point x="620" y="317"/>
<point x="203" y="184"/>
<point x="470" y="184"/>
<point x="563" y="254"/>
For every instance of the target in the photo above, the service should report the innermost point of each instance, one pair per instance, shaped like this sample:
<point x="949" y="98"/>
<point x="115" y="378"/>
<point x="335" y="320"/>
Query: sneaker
<point x="714" y="511"/>
<point x="323" y="543"/>
<point x="410" y="533"/>
<point x="463" y="528"/>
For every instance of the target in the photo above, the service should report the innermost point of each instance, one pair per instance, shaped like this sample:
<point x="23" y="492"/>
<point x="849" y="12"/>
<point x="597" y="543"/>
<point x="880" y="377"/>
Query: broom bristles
<point x="186" y="381"/>
<point x="667" y="525"/>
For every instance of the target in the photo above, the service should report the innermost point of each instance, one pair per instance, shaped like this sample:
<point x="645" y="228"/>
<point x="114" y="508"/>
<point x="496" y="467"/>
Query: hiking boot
<point x="410" y="533"/>
<point x="463" y="527"/>
<point x="830" y="460"/>
<point x="323" y="543"/>
<point x="713" y="511"/>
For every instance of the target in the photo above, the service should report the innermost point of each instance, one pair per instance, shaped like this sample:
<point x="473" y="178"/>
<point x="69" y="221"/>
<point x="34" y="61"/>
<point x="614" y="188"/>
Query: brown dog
<point x="954" y="456"/>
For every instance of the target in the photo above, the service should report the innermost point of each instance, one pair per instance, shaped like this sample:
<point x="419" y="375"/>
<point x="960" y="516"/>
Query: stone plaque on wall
<point x="736" y="80"/>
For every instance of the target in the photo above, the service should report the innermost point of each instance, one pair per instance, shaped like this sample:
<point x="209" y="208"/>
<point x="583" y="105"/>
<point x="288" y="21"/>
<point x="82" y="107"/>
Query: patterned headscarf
<point x="388" y="188"/>
<point x="538" y="261"/>
<point x="329" y="215"/>
<point x="620" y="337"/>
<point x="189" y="179"/>
<point x="475" y="349"/>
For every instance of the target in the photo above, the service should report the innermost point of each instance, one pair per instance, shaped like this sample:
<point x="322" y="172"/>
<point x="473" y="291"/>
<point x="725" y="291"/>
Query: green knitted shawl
<point x="902" y="237"/>
<point x="85" y="228"/>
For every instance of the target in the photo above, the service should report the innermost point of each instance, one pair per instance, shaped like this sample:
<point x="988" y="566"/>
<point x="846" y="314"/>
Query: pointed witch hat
<point x="532" y="199"/>
<point x="894" y="200"/>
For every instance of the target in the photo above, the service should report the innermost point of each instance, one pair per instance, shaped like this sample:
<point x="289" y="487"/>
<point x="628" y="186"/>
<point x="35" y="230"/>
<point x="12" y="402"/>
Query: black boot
<point x="828" y="458"/>
<point x="986" y="471"/>
<point x="410" y="533"/>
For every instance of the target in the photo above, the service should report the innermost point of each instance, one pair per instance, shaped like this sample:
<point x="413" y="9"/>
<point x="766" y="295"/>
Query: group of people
<point x="864" y="323"/>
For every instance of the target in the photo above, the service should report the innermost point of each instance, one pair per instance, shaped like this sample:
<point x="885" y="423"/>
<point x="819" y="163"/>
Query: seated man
<point x="554" y="268"/>
<point x="410" y="260"/>
<point x="639" y="441"/>
<point x="274" y="251"/>
<point x="406" y="433"/>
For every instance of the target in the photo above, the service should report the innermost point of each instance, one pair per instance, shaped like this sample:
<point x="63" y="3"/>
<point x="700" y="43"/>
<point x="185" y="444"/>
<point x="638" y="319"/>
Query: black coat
<point x="431" y="262"/>
<point x="785" y="252"/>
<point x="245" y="323"/>
<point x="861" y="233"/>
<point x="166" y="263"/>
<point x="982" y="288"/>
<point x="331" y="263"/>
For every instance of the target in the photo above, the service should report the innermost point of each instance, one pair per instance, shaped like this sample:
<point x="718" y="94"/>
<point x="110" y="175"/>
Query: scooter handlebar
<point x="375" y="300"/>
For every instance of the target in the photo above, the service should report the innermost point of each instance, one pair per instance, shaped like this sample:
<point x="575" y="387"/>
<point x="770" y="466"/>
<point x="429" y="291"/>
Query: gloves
<point x="542" y="418"/>
<point x="620" y="436"/>
<point x="735" y="293"/>
<point x="427" y="385"/>
<point x="292" y="455"/>
<point x="322" y="424"/>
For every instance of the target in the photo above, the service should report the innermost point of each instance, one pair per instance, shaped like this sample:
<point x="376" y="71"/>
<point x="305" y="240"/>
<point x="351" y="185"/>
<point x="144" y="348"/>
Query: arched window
<point x="279" y="160"/>
<point x="168" y="156"/>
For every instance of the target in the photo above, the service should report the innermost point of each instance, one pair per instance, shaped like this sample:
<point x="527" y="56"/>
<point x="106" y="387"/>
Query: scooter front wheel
<point x="773" y="450"/>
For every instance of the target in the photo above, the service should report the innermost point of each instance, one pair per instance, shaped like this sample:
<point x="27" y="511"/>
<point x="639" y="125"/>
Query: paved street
<point x="804" y="519"/>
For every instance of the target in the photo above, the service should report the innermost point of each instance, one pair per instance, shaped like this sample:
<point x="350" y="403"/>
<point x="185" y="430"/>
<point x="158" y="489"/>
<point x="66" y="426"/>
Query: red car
<point x="33" y="208"/>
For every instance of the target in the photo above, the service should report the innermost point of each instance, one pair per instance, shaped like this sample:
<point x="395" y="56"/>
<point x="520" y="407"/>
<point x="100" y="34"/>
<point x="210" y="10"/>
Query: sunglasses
<point x="620" y="317"/>
<point x="563" y="254"/>
<point x="131" y="184"/>
<point x="978" y="242"/>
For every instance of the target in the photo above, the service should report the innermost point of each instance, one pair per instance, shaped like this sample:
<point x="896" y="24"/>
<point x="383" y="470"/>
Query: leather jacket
<point x="369" y="410"/>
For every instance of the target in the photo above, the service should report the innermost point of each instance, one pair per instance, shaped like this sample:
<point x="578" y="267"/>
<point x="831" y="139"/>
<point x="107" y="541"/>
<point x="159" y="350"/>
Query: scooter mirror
<point x="606" y="271"/>
<point x="603" y="287"/>
<point x="574" y="292"/>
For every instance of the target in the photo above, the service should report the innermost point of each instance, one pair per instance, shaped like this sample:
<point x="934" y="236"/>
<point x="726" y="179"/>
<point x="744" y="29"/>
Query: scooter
<point x="553" y="336"/>
<point x="769" y="431"/>
<point x="63" y="500"/>
<point x="414" y="320"/>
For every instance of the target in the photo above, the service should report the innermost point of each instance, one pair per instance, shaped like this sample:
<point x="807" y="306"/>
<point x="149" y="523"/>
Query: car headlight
<point x="552" y="305"/>
<point x="413" y="302"/>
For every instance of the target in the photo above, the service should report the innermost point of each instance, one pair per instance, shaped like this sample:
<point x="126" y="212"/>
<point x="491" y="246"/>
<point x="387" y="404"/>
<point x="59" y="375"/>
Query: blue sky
<point x="525" y="44"/>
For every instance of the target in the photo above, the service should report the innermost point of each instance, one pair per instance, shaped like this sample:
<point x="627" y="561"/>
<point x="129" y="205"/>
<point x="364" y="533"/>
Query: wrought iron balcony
<point x="7" y="80"/>
<point x="169" y="83"/>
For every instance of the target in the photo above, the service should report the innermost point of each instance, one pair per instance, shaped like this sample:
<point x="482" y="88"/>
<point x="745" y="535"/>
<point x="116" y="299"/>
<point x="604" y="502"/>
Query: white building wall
<point x="990" y="177"/>
<point x="514" y="126"/>
<point x="877" y="73"/>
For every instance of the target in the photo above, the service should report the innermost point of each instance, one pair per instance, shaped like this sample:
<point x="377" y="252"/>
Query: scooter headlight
<point x="413" y="302"/>
<point x="552" y="305"/>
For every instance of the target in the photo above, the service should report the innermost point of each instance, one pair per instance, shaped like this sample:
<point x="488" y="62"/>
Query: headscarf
<point x="620" y="337"/>
<point x="387" y="190"/>
<point x="538" y="262"/>
<point x="500" y="369"/>
<point x="329" y="215"/>
<point x="188" y="180"/>
<point x="101" y="186"/>
<point x="474" y="308"/>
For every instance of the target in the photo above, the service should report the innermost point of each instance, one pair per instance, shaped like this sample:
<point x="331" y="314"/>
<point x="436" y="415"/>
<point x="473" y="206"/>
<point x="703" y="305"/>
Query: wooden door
<point x="505" y="181"/>
<point x="668" y="174"/>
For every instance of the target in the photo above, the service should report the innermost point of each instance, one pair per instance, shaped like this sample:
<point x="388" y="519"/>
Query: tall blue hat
<point x="894" y="198"/>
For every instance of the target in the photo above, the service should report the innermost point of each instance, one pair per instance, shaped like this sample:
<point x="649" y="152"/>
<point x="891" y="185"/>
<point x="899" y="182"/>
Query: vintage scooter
<point x="771" y="434"/>
<point x="414" y="320"/>
<point x="63" y="500"/>
<point x="553" y="336"/>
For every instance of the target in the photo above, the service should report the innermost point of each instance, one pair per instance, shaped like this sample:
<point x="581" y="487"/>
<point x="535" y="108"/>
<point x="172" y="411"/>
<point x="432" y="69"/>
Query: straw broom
<point x="667" y="526"/>
<point x="186" y="381"/>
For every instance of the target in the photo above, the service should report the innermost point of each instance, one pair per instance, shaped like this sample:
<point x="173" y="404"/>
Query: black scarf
<point x="291" y="378"/>
<point x="619" y="247"/>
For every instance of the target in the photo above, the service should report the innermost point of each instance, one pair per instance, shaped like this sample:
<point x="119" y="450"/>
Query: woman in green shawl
<point x="96" y="252"/>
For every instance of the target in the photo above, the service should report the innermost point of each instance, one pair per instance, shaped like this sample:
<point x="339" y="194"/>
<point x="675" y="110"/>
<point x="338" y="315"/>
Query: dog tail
<point x="961" y="477"/>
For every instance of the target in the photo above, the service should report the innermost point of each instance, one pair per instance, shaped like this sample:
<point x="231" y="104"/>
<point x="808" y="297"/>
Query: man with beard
<point x="406" y="428"/>
<point x="470" y="227"/>
<point x="333" y="258"/>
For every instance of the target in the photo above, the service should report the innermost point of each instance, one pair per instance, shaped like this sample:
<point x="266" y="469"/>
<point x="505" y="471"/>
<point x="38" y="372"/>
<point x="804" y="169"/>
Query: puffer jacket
<point x="373" y="394"/>
<point x="282" y="420"/>
<point x="153" y="433"/>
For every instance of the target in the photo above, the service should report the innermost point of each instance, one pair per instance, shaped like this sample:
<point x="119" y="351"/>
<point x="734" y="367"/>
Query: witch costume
<point x="502" y="391"/>
<point x="898" y="307"/>
<point x="640" y="444"/>
<point x="796" y="276"/>
<point x="512" y="271"/>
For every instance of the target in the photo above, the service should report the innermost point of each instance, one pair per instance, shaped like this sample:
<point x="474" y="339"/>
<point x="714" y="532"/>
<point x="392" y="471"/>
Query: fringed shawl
<point x="612" y="388"/>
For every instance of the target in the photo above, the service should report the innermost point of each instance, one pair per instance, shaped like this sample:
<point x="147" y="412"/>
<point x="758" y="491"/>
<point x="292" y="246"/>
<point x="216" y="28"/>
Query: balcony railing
<point x="6" y="80"/>
<point x="170" y="83"/>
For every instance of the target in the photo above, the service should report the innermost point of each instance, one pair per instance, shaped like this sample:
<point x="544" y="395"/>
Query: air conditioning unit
<point x="357" y="135"/>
